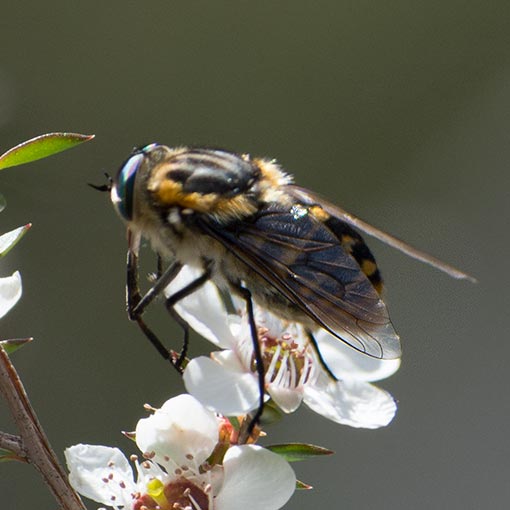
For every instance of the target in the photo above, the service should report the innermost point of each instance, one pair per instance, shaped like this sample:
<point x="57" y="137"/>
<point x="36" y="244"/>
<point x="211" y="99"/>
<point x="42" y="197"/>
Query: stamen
<point x="293" y="375"/>
<point x="304" y="371"/>
<point x="272" y="365"/>
<point x="193" y="501"/>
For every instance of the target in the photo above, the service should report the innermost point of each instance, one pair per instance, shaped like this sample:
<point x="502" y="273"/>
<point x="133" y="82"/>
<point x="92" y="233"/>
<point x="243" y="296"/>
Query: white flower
<point x="10" y="292"/>
<point x="10" y="286"/>
<point x="227" y="383"/>
<point x="181" y="429"/>
<point x="177" y="442"/>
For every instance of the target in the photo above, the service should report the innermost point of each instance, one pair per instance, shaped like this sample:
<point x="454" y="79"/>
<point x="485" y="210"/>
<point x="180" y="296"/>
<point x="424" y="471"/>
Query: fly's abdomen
<point x="353" y="244"/>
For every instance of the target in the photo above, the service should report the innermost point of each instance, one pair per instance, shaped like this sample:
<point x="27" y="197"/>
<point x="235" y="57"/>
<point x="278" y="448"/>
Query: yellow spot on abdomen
<point x="368" y="267"/>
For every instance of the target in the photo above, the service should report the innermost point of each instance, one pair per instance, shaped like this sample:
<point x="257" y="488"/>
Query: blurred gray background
<point x="399" y="111"/>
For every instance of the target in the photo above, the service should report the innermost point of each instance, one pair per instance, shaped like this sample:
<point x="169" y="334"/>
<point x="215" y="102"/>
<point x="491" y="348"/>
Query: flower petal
<point x="10" y="292"/>
<point x="222" y="384"/>
<point x="255" y="478"/>
<point x="100" y="473"/>
<point x="287" y="399"/>
<point x="182" y="430"/>
<point x="349" y="364"/>
<point x="354" y="403"/>
<point x="203" y="310"/>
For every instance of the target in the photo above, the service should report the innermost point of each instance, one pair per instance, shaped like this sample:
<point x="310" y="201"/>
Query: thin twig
<point x="32" y="441"/>
<point x="14" y="444"/>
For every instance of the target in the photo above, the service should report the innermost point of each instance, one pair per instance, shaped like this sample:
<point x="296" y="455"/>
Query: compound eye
<point x="123" y="187"/>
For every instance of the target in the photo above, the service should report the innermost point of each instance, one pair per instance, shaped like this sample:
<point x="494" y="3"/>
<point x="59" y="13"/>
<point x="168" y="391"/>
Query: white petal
<point x="288" y="400"/>
<point x="181" y="428"/>
<point x="255" y="479"/>
<point x="274" y="324"/>
<point x="349" y="364"/>
<point x="203" y="310"/>
<point x="10" y="292"/>
<point x="100" y="473"/>
<point x="353" y="403"/>
<point x="223" y="386"/>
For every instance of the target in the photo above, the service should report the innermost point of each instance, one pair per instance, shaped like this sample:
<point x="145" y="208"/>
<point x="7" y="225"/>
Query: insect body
<point x="249" y="229"/>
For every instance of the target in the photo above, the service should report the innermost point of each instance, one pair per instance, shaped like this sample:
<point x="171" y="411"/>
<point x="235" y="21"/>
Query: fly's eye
<point x="123" y="188"/>
<point x="145" y="149"/>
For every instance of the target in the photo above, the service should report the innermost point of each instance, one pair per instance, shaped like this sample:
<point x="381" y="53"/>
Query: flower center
<point x="288" y="362"/>
<point x="180" y="494"/>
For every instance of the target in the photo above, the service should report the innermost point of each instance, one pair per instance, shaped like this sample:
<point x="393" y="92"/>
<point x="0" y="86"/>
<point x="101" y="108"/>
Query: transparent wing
<point x="300" y="257"/>
<point x="306" y="197"/>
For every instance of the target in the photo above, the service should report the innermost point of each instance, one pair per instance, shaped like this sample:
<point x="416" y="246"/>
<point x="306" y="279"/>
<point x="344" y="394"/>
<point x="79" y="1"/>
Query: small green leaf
<point x="293" y="452"/>
<point x="14" y="344"/>
<point x="41" y="147"/>
<point x="302" y="486"/>
<point x="9" y="239"/>
<point x="7" y="455"/>
<point x="272" y="414"/>
<point x="234" y="422"/>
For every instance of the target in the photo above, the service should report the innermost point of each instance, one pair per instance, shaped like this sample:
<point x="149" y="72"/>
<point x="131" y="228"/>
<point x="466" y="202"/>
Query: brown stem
<point x="32" y="442"/>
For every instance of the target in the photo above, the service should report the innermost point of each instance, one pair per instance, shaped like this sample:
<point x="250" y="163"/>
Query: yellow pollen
<point x="155" y="489"/>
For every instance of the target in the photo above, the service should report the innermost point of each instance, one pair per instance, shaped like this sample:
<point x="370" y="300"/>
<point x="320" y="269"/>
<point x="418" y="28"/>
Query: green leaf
<point x="14" y="344"/>
<point x="9" y="239"/>
<point x="272" y="413"/>
<point x="41" y="147"/>
<point x="234" y="422"/>
<point x="293" y="452"/>
<point x="7" y="455"/>
<point x="302" y="486"/>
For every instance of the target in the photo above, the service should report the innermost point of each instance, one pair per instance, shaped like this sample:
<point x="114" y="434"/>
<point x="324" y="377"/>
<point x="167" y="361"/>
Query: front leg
<point x="259" y="364"/>
<point x="175" y="298"/>
<point x="136" y="304"/>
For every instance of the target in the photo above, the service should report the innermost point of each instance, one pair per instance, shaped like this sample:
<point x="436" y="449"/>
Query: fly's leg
<point x="175" y="298"/>
<point x="136" y="303"/>
<point x="159" y="270"/>
<point x="259" y="364"/>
